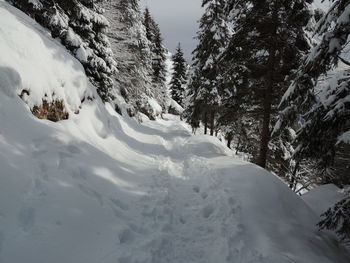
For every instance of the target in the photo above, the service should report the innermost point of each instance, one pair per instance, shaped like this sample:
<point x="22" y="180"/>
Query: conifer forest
<point x="160" y="131"/>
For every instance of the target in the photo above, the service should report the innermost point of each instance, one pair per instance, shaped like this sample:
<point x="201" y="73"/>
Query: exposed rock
<point x="52" y="111"/>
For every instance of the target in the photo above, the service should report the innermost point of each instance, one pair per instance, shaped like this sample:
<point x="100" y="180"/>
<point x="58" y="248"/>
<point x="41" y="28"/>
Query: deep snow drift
<point x="100" y="188"/>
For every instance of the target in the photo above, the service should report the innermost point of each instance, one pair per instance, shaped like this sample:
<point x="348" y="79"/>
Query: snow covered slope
<point x="100" y="188"/>
<point x="323" y="197"/>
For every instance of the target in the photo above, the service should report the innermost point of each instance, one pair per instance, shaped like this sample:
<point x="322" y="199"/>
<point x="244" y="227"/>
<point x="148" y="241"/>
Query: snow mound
<point x="154" y="107"/>
<point x="323" y="197"/>
<point x="100" y="188"/>
<point x="174" y="107"/>
<point x="37" y="64"/>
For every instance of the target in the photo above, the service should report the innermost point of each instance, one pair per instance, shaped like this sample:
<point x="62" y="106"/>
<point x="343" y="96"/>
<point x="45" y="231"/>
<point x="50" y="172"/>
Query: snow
<point x="322" y="4"/>
<point x="345" y="16"/>
<point x="36" y="3"/>
<point x="323" y="197"/>
<point x="345" y="137"/>
<point x="81" y="54"/>
<point x="169" y="64"/>
<point x="60" y="20"/>
<point x="153" y="107"/>
<point x="172" y="104"/>
<point x="102" y="188"/>
<point x="73" y="39"/>
<point x="61" y="76"/>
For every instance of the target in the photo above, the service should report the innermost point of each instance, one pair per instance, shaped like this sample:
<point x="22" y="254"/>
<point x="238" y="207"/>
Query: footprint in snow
<point x="91" y="193"/>
<point x="204" y="196"/>
<point x="126" y="236"/>
<point x="26" y="218"/>
<point x="43" y="168"/>
<point x="182" y="220"/>
<point x="207" y="211"/>
<point x="231" y="201"/>
<point x="73" y="149"/>
<point x="79" y="174"/>
<point x="196" y="189"/>
<point x="39" y="187"/>
<point x="2" y="239"/>
<point x="119" y="204"/>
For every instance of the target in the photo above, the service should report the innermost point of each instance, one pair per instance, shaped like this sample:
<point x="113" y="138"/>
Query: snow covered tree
<point x="149" y="25"/>
<point x="135" y="56"/>
<point x="324" y="109"/>
<point x="213" y="36"/>
<point x="179" y="76"/>
<point x="337" y="218"/>
<point x="159" y="58"/>
<point x="131" y="51"/>
<point x="158" y="50"/>
<point x="266" y="48"/>
<point x="81" y="27"/>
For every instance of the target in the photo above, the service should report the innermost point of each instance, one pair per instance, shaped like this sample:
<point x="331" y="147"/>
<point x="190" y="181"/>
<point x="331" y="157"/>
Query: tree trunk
<point x="265" y="132"/>
<point x="205" y="123"/>
<point x="294" y="179"/>
<point x="238" y="145"/>
<point x="267" y="99"/>
<point x="229" y="140"/>
<point x="212" y="122"/>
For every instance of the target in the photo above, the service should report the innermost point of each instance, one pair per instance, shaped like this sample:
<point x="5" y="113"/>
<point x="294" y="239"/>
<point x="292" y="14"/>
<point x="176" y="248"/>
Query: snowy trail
<point x="173" y="203"/>
<point x="102" y="188"/>
<point x="189" y="215"/>
<point x="192" y="211"/>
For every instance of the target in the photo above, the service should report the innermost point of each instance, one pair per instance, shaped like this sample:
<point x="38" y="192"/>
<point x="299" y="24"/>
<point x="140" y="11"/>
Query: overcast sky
<point x="178" y="22"/>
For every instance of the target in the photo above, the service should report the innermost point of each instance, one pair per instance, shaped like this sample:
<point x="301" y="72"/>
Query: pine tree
<point x="81" y="27"/>
<point x="325" y="116"/>
<point x="160" y="70"/>
<point x="213" y="36"/>
<point x="158" y="57"/>
<point x="149" y="25"/>
<point x="266" y="48"/>
<point x="132" y="52"/>
<point x="138" y="56"/>
<point x="179" y="76"/>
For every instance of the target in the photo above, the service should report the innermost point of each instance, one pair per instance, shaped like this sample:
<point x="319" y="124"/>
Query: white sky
<point x="178" y="21"/>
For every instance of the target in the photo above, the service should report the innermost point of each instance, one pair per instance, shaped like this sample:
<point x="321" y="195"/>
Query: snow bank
<point x="154" y="107"/>
<point x="174" y="107"/>
<point x="99" y="188"/>
<point x="37" y="64"/>
<point x="323" y="197"/>
<point x="345" y="137"/>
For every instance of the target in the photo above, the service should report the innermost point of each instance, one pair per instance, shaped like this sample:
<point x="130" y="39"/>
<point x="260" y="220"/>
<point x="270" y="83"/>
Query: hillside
<point x="102" y="188"/>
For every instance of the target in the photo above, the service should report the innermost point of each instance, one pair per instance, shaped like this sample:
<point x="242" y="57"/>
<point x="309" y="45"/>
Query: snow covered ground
<point x="323" y="197"/>
<point x="101" y="188"/>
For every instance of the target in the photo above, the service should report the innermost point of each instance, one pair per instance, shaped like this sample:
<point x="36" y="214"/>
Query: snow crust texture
<point x="100" y="188"/>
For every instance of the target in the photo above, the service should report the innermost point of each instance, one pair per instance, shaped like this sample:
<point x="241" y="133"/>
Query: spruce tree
<point x="266" y="48"/>
<point x="325" y="116"/>
<point x="149" y="25"/>
<point x="212" y="36"/>
<point x="81" y="27"/>
<point x="179" y="76"/>
<point x="159" y="58"/>
<point x="158" y="52"/>
<point x="132" y="52"/>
